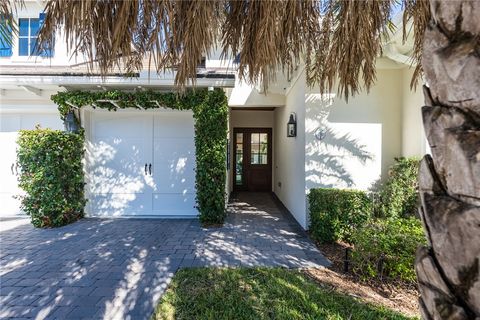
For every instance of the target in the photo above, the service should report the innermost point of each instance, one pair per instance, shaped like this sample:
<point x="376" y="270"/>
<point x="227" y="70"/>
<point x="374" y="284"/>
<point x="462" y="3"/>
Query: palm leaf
<point x="338" y="40"/>
<point x="8" y="25"/>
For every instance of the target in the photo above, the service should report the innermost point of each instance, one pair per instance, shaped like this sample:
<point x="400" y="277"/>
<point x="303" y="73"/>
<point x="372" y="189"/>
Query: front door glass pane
<point x="239" y="159"/>
<point x="259" y="148"/>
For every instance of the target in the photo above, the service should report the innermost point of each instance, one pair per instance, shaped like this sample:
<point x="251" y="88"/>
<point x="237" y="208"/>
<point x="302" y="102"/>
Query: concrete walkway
<point x="118" y="269"/>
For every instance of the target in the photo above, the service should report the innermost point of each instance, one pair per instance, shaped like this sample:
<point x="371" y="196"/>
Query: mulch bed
<point x="396" y="295"/>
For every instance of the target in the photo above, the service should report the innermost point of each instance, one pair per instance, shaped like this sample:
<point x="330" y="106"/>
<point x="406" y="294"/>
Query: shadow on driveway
<point x="119" y="268"/>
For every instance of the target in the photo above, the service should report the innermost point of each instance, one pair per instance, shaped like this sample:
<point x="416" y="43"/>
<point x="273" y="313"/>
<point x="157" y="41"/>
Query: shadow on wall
<point x="339" y="155"/>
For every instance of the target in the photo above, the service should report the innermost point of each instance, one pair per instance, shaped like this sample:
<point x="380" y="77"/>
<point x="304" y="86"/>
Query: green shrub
<point x="335" y="213"/>
<point x="386" y="248"/>
<point x="398" y="196"/>
<point x="51" y="176"/>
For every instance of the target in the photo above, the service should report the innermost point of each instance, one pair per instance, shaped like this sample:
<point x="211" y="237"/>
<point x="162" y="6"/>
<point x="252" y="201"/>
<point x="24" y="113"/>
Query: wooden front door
<point x="252" y="159"/>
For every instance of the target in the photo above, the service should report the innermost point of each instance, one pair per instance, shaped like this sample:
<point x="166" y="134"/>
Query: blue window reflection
<point x="27" y="39"/>
<point x="23" y="27"/>
<point x="6" y="40"/>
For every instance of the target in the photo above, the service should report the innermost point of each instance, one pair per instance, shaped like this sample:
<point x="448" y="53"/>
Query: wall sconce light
<point x="292" y="125"/>
<point x="70" y="122"/>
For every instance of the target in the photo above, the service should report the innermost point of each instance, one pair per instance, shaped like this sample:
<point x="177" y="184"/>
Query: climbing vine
<point x="210" y="111"/>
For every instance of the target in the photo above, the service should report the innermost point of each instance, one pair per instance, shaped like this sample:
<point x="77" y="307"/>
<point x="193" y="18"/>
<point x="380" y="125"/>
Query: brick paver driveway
<point x="118" y="269"/>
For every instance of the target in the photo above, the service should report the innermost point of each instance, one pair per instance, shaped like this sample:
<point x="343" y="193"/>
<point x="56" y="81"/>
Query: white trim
<point x="157" y="217"/>
<point x="95" y="81"/>
<point x="29" y="110"/>
<point x="292" y="83"/>
<point x="398" y="57"/>
<point x="33" y="90"/>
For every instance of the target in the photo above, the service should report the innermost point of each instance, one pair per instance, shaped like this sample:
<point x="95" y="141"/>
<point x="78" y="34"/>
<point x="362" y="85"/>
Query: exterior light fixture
<point x="70" y="122"/>
<point x="292" y="125"/>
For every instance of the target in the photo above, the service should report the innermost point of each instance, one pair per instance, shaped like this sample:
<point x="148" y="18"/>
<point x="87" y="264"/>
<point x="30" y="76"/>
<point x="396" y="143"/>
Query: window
<point x="27" y="37"/>
<point x="259" y="148"/>
<point x="239" y="159"/>
<point x="6" y="40"/>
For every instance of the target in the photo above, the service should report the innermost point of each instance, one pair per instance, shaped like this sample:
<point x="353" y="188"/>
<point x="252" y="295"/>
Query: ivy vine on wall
<point x="210" y="111"/>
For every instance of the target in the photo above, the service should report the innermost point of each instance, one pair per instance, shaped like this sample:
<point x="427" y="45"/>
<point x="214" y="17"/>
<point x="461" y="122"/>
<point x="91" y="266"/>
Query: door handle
<point x="14" y="168"/>
<point x="150" y="169"/>
<point x="145" y="169"/>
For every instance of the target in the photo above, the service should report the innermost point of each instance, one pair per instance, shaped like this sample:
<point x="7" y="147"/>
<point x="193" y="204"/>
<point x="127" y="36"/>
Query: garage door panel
<point x="10" y="123"/>
<point x="120" y="204"/>
<point x="118" y="165"/>
<point x="174" y="204"/>
<point x="173" y="124"/>
<point x="29" y="122"/>
<point x="174" y="165"/>
<point x="121" y="146"/>
<point x="8" y="167"/>
<point x="10" y="205"/>
<point x="118" y="125"/>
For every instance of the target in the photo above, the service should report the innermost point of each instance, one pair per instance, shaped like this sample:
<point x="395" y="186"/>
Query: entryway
<point x="252" y="159"/>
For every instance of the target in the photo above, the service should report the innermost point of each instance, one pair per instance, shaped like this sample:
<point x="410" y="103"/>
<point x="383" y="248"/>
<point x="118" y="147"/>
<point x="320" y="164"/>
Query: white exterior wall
<point x="362" y="138"/>
<point x="289" y="154"/>
<point x="414" y="142"/>
<point x="245" y="95"/>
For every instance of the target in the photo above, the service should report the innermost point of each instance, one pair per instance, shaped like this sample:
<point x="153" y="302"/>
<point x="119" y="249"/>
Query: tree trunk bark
<point x="448" y="269"/>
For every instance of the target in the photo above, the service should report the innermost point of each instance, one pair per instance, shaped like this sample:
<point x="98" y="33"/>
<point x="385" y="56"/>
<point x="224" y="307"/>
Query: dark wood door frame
<point x="247" y="167"/>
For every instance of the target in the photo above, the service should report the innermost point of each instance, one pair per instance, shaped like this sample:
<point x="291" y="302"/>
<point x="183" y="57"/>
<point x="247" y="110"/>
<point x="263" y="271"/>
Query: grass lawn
<point x="258" y="293"/>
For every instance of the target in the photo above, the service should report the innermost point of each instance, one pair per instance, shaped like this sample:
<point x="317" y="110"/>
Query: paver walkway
<point x="118" y="269"/>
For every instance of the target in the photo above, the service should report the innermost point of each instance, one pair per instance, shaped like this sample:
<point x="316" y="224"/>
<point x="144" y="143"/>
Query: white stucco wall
<point x="289" y="169"/>
<point x="362" y="137"/>
<point x="413" y="136"/>
<point x="245" y="95"/>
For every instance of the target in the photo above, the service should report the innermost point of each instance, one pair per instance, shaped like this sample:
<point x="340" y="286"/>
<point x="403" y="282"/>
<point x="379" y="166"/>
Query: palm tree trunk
<point x="448" y="270"/>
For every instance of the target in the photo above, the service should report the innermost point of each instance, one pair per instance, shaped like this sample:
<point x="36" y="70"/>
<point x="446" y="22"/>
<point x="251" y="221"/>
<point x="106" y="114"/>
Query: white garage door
<point x="10" y="124"/>
<point x="142" y="164"/>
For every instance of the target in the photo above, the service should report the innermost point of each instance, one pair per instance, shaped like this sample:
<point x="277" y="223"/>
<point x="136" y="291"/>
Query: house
<point x="141" y="163"/>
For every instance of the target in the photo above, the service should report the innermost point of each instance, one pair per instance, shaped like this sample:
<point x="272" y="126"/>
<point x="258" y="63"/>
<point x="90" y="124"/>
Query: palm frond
<point x="350" y="41"/>
<point x="417" y="11"/>
<point x="8" y="25"/>
<point x="338" y="40"/>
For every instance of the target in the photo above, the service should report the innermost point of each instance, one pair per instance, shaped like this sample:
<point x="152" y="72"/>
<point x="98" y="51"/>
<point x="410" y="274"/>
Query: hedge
<point x="210" y="110"/>
<point x="398" y="196"/>
<point x="386" y="248"/>
<point x="51" y="176"/>
<point x="335" y="213"/>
